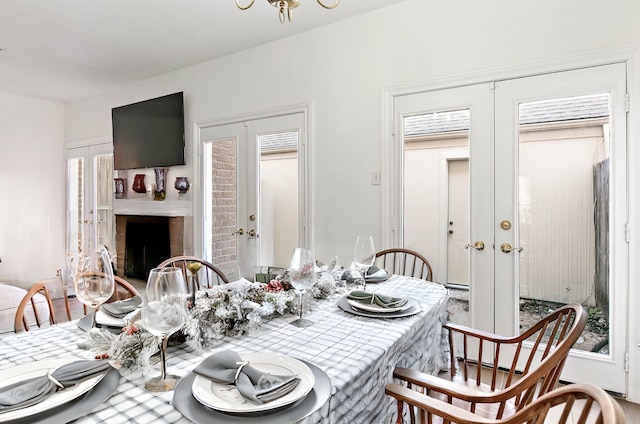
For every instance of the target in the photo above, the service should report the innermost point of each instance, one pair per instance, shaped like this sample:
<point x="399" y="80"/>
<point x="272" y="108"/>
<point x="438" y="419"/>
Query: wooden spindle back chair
<point x="404" y="262"/>
<point x="20" y="321"/>
<point x="206" y="276"/>
<point x="519" y="369"/>
<point x="571" y="404"/>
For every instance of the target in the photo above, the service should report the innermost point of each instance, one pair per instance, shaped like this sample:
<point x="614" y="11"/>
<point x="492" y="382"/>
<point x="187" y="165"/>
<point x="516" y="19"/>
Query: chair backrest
<point x="205" y="274"/>
<point x="404" y="262"/>
<point x="539" y="355"/>
<point x="123" y="290"/>
<point x="20" y="320"/>
<point x="574" y="404"/>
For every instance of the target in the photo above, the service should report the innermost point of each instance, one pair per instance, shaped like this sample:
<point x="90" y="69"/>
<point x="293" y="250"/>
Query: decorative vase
<point x="161" y="183"/>
<point x="182" y="185"/>
<point x="120" y="187"/>
<point x="138" y="184"/>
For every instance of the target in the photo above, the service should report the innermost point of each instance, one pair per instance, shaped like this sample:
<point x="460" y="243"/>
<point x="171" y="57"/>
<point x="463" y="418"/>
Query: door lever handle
<point x="479" y="245"/>
<point x="506" y="248"/>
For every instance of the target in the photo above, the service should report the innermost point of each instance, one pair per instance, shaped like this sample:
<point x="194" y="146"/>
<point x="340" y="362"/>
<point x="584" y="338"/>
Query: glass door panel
<point x="441" y="216"/>
<point x="89" y="204"/>
<point x="253" y="215"/>
<point x="561" y="156"/>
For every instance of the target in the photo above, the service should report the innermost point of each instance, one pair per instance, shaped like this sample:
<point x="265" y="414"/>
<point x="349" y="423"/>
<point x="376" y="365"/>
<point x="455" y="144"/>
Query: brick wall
<point x="224" y="205"/>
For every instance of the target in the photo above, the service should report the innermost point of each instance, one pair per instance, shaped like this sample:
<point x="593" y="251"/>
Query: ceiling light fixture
<point x="286" y="7"/>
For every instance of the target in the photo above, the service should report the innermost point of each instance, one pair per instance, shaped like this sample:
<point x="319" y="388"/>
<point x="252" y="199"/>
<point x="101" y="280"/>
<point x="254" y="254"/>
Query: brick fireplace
<point x="143" y="241"/>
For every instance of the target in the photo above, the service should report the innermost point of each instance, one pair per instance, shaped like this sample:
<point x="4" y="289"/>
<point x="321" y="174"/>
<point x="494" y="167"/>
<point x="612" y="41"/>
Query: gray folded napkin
<point x="227" y="367"/>
<point x="23" y="394"/>
<point x="122" y="307"/>
<point x="378" y="299"/>
<point x="374" y="273"/>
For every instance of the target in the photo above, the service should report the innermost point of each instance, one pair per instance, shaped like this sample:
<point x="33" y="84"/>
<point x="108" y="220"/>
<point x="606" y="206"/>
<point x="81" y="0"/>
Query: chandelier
<point x="286" y="6"/>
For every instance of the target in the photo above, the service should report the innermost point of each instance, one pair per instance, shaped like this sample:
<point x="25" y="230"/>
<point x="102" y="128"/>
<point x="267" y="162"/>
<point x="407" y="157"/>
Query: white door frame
<point x="391" y="209"/>
<point x="305" y="232"/>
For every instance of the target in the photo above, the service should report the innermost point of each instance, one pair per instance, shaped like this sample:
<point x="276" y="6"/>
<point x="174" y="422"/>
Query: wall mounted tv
<point x="149" y="134"/>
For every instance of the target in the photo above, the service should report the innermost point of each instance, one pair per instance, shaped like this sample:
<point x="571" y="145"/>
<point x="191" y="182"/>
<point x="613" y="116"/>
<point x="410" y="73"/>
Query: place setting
<point x="259" y="387"/>
<point x="375" y="305"/>
<point x="54" y="390"/>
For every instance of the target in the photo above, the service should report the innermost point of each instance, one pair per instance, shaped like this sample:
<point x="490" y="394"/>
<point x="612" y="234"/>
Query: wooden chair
<point x="574" y="403"/>
<point x="20" y="319"/>
<point x="537" y="355"/>
<point x="404" y="262"/>
<point x="212" y="274"/>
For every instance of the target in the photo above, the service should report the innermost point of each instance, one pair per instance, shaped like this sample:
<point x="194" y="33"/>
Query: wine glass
<point x="94" y="283"/>
<point x="164" y="311"/>
<point x="302" y="275"/>
<point x="364" y="255"/>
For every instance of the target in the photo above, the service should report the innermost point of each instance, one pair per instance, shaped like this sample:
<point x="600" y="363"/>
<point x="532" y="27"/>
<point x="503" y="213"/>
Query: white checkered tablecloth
<point x="357" y="353"/>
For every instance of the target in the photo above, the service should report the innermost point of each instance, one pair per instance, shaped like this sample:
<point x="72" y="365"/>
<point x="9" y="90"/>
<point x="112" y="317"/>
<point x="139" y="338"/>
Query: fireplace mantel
<point x="152" y="207"/>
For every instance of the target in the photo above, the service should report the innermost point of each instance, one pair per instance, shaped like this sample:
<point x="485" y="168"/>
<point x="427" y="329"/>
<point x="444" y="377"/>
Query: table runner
<point x="357" y="353"/>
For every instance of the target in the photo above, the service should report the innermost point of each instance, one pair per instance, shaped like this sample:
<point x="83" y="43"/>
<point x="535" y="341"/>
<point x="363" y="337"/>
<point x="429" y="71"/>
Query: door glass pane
<point x="75" y="205"/>
<point x="104" y="217"/>
<point x="436" y="197"/>
<point x="223" y="204"/>
<point x="278" y="197"/>
<point x="564" y="210"/>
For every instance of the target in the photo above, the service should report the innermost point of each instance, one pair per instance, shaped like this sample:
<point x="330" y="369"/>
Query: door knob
<point x="479" y="245"/>
<point x="506" y="248"/>
<point x="239" y="232"/>
<point x="252" y="233"/>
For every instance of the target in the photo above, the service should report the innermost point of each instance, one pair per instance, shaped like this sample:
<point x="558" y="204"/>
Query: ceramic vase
<point x="161" y="183"/>
<point x="120" y="188"/>
<point x="138" y="184"/>
<point x="182" y="184"/>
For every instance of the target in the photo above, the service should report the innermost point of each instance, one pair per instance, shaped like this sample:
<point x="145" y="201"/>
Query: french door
<point x="254" y="183"/>
<point x="547" y="202"/>
<point x="89" y="200"/>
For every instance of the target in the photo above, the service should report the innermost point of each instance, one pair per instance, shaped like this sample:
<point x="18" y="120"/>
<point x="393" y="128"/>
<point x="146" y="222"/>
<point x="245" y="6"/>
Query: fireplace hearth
<point x="143" y="241"/>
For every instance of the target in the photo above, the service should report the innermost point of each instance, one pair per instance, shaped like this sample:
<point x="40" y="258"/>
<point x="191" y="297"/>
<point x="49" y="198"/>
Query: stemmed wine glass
<point x="302" y="275"/>
<point x="94" y="283"/>
<point x="364" y="255"/>
<point x="164" y="311"/>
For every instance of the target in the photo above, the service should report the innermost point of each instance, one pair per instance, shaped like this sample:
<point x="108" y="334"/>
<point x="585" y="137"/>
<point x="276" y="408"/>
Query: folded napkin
<point x="23" y="394"/>
<point x="378" y="299"/>
<point x="227" y="367"/>
<point x="375" y="273"/>
<point x="122" y="307"/>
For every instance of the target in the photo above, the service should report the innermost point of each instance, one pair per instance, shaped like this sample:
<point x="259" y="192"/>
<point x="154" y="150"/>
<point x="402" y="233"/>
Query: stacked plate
<point x="37" y="369"/>
<point x="202" y="400"/>
<point x="226" y="398"/>
<point x="373" y="310"/>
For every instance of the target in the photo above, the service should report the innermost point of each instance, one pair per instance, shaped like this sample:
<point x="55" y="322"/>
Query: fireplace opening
<point x="147" y="243"/>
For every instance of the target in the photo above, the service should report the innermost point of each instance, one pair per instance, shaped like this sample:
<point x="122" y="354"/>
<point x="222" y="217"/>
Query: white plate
<point x="103" y="318"/>
<point x="374" y="307"/>
<point x="226" y="398"/>
<point x="38" y="368"/>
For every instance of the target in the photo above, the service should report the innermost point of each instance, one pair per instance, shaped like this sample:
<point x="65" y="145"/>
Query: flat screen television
<point x="149" y="134"/>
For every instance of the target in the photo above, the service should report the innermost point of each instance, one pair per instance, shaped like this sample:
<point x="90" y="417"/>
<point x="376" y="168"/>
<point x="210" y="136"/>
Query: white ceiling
<point x="65" y="50"/>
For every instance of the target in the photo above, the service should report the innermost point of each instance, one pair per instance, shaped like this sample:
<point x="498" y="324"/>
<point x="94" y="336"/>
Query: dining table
<point x="357" y="352"/>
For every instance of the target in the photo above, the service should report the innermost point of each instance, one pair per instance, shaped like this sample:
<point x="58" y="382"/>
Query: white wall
<point x="32" y="182"/>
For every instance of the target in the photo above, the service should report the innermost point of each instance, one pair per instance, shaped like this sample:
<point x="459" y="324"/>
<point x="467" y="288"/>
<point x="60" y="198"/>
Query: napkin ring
<point x="54" y="381"/>
<point x="239" y="370"/>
